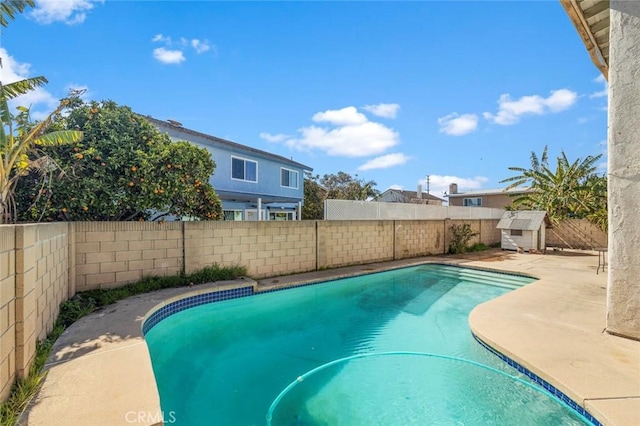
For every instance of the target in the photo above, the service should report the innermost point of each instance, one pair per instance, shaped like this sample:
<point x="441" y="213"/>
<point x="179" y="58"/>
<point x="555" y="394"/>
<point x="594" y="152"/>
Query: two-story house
<point x="252" y="184"/>
<point x="493" y="198"/>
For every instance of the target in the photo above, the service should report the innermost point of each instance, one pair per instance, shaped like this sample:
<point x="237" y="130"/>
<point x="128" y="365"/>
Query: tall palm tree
<point x="561" y="192"/>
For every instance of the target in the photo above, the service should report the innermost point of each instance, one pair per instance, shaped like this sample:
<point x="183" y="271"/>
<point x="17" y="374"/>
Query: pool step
<point x="478" y="276"/>
<point x="434" y="290"/>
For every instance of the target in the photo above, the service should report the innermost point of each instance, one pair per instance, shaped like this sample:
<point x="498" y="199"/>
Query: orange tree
<point x="124" y="169"/>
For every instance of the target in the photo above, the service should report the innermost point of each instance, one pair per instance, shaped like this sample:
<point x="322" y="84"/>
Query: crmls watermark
<point x="150" y="417"/>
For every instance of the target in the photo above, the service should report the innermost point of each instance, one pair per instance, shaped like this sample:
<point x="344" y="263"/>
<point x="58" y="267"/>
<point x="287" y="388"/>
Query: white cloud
<point x="458" y="125"/>
<point x="159" y="38"/>
<point x="383" y="110"/>
<point x="274" y="138"/>
<point x="346" y="132"/>
<point x="357" y="140"/>
<point x="605" y="89"/>
<point x="386" y="161"/>
<point x="68" y="11"/>
<point x="509" y="111"/>
<point x="167" y="56"/>
<point x="173" y="52"/>
<point x="200" y="46"/>
<point x="439" y="184"/>
<point x="395" y="186"/>
<point x="39" y="100"/>
<point x="341" y="117"/>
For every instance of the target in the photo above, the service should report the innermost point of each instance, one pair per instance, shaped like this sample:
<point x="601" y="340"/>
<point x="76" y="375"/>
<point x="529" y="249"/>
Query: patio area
<point x="100" y="371"/>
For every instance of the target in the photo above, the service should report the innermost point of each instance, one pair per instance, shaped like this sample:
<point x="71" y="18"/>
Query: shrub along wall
<point x="42" y="265"/>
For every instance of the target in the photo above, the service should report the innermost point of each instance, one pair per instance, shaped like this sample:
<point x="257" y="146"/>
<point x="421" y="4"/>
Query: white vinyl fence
<point x="372" y="210"/>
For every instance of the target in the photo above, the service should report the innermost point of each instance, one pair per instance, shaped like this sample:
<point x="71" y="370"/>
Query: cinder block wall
<point x="576" y="233"/>
<point x="489" y="234"/>
<point x="415" y="238"/>
<point x="41" y="284"/>
<point x="7" y="309"/>
<point x="353" y="242"/>
<point x="266" y="248"/>
<point x="111" y="254"/>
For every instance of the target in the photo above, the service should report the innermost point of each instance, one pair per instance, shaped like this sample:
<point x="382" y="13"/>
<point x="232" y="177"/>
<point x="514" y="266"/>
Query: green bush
<point x="460" y="237"/>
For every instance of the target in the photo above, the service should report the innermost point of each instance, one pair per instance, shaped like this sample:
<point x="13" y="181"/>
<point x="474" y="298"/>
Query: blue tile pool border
<point x="220" y="295"/>
<point x="557" y="393"/>
<point x="191" y="302"/>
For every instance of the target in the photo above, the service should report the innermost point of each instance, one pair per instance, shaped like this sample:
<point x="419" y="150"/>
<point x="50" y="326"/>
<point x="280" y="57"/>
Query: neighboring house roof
<point x="215" y="141"/>
<point x="528" y="220"/>
<point x="479" y="192"/>
<point x="406" y="196"/>
<point x="591" y="19"/>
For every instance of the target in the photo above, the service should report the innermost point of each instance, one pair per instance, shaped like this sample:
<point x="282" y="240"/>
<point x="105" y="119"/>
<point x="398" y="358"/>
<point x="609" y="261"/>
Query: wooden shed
<point x="523" y="230"/>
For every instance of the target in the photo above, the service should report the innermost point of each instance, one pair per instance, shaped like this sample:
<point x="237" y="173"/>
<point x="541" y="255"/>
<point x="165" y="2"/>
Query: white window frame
<point x="233" y="157"/>
<point x="290" y="171"/>
<point x="235" y="212"/>
<point x="289" y="214"/>
<point x="478" y="202"/>
<point x="251" y="215"/>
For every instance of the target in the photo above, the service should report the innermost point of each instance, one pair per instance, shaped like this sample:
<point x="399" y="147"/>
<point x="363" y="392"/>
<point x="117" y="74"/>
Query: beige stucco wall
<point x="7" y="309"/>
<point x="623" y="293"/>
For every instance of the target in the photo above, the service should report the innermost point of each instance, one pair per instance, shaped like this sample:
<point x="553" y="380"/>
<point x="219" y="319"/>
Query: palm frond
<point x="17" y="88"/>
<point x="10" y="8"/>
<point x="59" y="138"/>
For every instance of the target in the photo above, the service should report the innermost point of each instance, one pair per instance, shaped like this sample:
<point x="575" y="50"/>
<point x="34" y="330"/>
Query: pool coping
<point x="102" y="354"/>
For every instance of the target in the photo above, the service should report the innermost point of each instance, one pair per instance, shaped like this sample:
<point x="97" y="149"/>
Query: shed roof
<point x="526" y="220"/>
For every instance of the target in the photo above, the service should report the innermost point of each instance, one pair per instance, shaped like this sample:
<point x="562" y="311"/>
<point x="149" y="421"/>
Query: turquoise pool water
<point x="225" y="363"/>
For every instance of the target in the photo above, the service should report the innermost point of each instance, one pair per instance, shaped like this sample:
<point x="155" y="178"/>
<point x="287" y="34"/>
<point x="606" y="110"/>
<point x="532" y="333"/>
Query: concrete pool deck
<point x="100" y="372"/>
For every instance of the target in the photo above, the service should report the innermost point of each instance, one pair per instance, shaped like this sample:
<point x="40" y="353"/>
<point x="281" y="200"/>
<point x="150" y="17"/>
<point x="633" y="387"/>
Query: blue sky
<point x="390" y="91"/>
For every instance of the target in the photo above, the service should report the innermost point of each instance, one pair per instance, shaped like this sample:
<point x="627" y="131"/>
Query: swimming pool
<point x="226" y="362"/>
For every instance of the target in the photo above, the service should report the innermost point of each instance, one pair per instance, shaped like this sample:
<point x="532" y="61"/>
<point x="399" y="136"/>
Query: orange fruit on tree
<point x="134" y="169"/>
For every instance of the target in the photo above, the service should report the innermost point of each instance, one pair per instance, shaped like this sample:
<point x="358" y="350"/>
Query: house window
<point x="232" y="215"/>
<point x="289" y="178"/>
<point x="242" y="169"/>
<point x="280" y="215"/>
<point x="516" y="232"/>
<point x="472" y="202"/>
